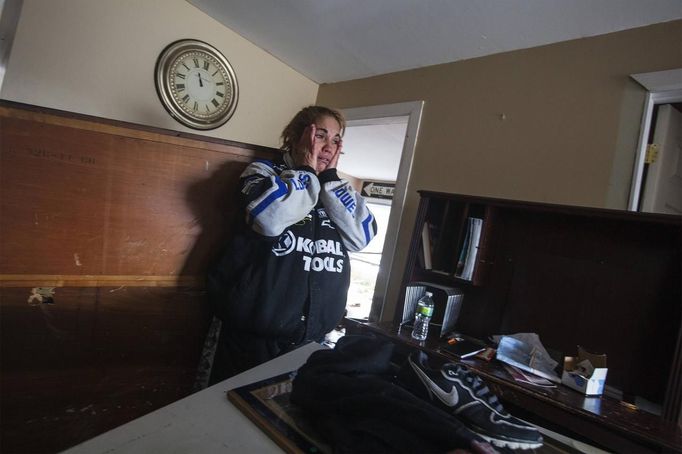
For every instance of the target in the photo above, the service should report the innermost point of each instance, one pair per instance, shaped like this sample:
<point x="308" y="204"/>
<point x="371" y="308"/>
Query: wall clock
<point x="196" y="84"/>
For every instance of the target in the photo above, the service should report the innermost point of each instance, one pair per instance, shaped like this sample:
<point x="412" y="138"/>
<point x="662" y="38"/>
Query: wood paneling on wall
<point x="81" y="199"/>
<point x="106" y="232"/>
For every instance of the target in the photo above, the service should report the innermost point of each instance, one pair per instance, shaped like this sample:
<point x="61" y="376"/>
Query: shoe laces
<point x="479" y="388"/>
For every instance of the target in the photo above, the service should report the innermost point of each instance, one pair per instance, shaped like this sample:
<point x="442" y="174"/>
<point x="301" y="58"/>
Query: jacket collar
<point x="288" y="160"/>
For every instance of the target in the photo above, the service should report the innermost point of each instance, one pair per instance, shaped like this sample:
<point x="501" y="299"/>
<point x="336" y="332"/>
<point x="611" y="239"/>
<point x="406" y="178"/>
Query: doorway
<point x="662" y="173"/>
<point x="664" y="87"/>
<point x="381" y="115"/>
<point x="365" y="265"/>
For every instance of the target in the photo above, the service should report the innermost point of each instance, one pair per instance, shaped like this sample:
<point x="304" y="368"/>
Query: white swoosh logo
<point x="450" y="398"/>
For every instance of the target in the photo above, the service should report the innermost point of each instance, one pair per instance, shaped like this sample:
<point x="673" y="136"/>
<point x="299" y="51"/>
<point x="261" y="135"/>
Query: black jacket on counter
<point x="349" y="395"/>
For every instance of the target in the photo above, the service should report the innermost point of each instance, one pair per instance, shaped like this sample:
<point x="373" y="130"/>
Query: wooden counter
<point x="603" y="421"/>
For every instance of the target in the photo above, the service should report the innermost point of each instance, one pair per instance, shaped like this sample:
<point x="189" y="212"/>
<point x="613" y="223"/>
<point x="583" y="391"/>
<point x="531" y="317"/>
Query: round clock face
<point x="196" y="84"/>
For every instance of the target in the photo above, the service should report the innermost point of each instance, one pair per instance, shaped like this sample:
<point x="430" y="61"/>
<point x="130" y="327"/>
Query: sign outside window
<point x="378" y="190"/>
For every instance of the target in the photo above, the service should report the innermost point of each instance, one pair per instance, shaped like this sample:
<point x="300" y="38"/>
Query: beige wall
<point x="355" y="182"/>
<point x="97" y="58"/>
<point x="571" y="114"/>
<point x="557" y="123"/>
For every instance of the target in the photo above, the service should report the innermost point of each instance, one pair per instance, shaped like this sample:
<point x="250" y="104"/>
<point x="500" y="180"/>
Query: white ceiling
<point x="337" y="40"/>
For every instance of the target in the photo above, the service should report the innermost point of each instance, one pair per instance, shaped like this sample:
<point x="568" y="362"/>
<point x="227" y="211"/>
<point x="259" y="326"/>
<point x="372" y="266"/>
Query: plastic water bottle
<point x="422" y="317"/>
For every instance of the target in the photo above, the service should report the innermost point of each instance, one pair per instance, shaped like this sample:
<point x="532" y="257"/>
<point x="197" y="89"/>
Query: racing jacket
<point x="287" y="271"/>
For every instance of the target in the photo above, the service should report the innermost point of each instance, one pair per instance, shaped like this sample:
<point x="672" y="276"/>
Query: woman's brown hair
<point x="307" y="116"/>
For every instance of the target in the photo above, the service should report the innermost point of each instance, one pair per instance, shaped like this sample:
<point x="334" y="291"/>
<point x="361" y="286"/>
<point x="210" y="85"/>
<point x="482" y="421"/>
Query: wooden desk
<point x="607" y="280"/>
<point x="599" y="420"/>
<point x="203" y="422"/>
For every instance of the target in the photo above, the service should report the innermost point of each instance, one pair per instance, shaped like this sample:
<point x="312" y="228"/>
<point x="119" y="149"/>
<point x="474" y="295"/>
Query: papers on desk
<point x="527" y="357"/>
<point x="524" y="377"/>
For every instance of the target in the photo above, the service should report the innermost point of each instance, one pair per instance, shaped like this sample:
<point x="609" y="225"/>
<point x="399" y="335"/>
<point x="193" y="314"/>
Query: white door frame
<point x="365" y="115"/>
<point x="10" y="10"/>
<point x="663" y="87"/>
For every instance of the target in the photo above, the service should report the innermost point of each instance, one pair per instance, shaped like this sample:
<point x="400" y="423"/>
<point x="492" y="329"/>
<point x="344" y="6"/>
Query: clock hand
<point x="201" y="84"/>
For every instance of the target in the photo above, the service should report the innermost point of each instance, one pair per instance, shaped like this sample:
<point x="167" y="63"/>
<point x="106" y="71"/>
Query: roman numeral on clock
<point x="214" y="102"/>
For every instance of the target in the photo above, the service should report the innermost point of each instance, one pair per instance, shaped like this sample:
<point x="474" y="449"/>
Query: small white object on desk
<point x="204" y="422"/>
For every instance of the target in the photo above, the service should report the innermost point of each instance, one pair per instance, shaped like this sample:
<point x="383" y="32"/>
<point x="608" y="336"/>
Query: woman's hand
<point x="335" y="158"/>
<point x="305" y="153"/>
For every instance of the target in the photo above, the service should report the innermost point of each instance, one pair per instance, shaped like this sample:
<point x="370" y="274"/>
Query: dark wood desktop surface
<point x="605" y="421"/>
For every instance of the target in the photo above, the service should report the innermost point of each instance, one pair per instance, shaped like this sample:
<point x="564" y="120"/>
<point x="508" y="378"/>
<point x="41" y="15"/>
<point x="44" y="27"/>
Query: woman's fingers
<point x="335" y="158"/>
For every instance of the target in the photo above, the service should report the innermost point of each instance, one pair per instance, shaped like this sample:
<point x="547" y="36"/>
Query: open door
<point x="663" y="186"/>
<point x="362" y="115"/>
<point x="663" y="87"/>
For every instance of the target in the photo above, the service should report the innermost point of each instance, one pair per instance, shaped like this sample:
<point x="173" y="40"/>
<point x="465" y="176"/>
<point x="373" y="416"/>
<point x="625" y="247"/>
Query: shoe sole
<point x="506" y="443"/>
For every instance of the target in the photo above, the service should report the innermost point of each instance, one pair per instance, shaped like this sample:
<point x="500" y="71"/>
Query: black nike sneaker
<point x="463" y="394"/>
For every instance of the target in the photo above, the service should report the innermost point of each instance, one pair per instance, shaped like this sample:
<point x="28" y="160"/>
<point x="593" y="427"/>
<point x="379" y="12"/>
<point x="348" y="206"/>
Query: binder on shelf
<point x="461" y="259"/>
<point x="447" y="300"/>
<point x="426" y="247"/>
<point x="469" y="252"/>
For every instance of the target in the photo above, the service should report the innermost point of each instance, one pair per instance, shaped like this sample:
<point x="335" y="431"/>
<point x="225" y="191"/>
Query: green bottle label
<point x="426" y="311"/>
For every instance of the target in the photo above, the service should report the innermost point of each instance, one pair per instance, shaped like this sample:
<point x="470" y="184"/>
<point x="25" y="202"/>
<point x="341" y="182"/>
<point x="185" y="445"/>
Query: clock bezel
<point x="165" y="87"/>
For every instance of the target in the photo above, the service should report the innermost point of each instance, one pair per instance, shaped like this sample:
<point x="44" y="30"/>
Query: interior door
<point x="663" y="188"/>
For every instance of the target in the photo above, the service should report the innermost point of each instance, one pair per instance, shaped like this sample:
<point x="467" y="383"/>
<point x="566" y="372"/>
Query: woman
<point x="285" y="278"/>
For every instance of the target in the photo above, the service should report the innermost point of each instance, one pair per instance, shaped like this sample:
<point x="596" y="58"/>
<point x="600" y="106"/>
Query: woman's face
<point x="327" y="140"/>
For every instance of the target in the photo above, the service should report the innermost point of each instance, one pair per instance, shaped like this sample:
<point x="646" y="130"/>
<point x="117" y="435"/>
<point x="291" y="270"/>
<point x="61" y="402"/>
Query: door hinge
<point x="651" y="153"/>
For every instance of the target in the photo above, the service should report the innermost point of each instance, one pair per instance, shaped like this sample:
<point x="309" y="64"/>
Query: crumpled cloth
<point x="351" y="399"/>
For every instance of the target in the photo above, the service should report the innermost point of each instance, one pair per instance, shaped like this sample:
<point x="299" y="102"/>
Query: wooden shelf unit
<point x="607" y="280"/>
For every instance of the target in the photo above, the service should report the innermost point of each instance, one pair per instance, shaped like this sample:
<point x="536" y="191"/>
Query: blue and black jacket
<point x="287" y="271"/>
